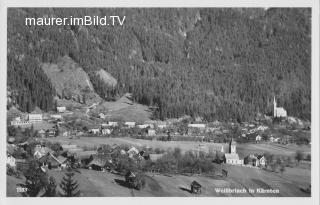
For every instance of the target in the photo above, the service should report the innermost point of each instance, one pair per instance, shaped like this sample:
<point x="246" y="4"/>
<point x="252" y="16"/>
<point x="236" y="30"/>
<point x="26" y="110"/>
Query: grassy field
<point x="243" y="149"/>
<point x="96" y="184"/>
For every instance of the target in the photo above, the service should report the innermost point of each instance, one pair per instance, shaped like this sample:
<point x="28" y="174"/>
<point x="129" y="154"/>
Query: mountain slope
<point x="219" y="63"/>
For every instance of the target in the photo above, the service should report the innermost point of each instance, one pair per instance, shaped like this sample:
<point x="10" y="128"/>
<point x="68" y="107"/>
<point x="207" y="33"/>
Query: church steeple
<point x="232" y="147"/>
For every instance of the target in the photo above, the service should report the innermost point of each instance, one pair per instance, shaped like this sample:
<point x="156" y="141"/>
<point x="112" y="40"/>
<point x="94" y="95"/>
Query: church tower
<point x="232" y="147"/>
<point x="274" y="107"/>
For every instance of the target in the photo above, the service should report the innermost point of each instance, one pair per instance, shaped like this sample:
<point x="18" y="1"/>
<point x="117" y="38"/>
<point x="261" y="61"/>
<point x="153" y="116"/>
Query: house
<point x="251" y="160"/>
<point x="65" y="134"/>
<point x="112" y="124"/>
<point x="11" y="161"/>
<point x="61" y="109"/>
<point x="199" y="126"/>
<point x="35" y="117"/>
<point x="100" y="162"/>
<point x="40" y="151"/>
<point x="51" y="161"/>
<point x="130" y="177"/>
<point x="102" y="116"/>
<point x="52" y="133"/>
<point x="106" y="131"/>
<point x="262" y="161"/>
<point x="258" y="138"/>
<point x="232" y="157"/>
<point x="56" y="117"/>
<point x="143" y="126"/>
<point x="95" y="131"/>
<point x="151" y="132"/>
<point x="132" y="152"/>
<point x="278" y="111"/>
<point x="130" y="124"/>
<point x="42" y="133"/>
<point x="195" y="188"/>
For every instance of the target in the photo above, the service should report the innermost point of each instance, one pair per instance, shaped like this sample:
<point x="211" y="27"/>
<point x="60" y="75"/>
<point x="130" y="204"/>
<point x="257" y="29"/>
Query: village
<point x="130" y="149"/>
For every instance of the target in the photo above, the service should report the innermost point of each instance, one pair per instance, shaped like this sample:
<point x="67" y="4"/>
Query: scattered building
<point x="56" y="116"/>
<point x="151" y="132"/>
<point x="195" y="188"/>
<point x="95" y="131"/>
<point x="258" y="138"/>
<point x="130" y="124"/>
<point x="40" y="151"/>
<point x="102" y="116"/>
<point x="35" y="117"/>
<point x="61" y="109"/>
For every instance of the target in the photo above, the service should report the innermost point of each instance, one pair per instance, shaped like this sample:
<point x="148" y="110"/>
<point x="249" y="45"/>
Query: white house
<point x="199" y="126"/>
<point x="102" y="116"/>
<point x="132" y="151"/>
<point x="35" y="117"/>
<point x="106" y="131"/>
<point x="95" y="131"/>
<point x="145" y="126"/>
<point x="56" y="117"/>
<point x="130" y="124"/>
<point x="11" y="161"/>
<point x="278" y="111"/>
<point x="258" y="138"/>
<point x="262" y="160"/>
<point x="40" y="151"/>
<point x="151" y="132"/>
<point x="112" y="124"/>
<point x="61" y="109"/>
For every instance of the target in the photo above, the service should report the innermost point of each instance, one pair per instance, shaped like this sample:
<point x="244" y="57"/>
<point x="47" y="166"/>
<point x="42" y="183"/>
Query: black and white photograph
<point x="159" y="102"/>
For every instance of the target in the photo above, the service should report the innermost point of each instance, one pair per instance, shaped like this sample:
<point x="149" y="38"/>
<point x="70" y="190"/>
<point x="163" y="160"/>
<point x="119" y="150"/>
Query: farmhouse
<point x="56" y="116"/>
<point x="130" y="124"/>
<point x="195" y="187"/>
<point x="61" y="109"/>
<point x="258" y="138"/>
<point x="102" y="116"/>
<point x="11" y="161"/>
<point x="99" y="162"/>
<point x="52" y="161"/>
<point x="151" y="132"/>
<point x="262" y="160"/>
<point x="278" y="111"/>
<point x="40" y="151"/>
<point x="112" y="124"/>
<point x="95" y="131"/>
<point x="35" y="117"/>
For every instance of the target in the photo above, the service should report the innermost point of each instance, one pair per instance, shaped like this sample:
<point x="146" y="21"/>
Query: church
<point x="232" y="157"/>
<point x="278" y="111"/>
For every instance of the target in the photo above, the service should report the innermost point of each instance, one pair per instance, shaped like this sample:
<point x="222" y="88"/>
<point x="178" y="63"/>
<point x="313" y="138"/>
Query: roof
<point x="195" y="184"/>
<point x="100" y="160"/>
<point x="130" y="174"/>
<point x="49" y="158"/>
<point x="231" y="156"/>
<point x="42" y="150"/>
<point x="85" y="154"/>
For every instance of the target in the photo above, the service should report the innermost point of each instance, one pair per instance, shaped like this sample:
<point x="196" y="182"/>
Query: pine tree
<point x="69" y="186"/>
<point x="50" y="188"/>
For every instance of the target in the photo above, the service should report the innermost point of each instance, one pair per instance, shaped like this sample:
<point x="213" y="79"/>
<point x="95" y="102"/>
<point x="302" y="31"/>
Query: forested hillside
<point x="216" y="63"/>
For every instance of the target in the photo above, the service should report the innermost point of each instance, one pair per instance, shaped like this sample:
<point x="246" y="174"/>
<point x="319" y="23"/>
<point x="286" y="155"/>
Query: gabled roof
<point x="49" y="158"/>
<point x="195" y="184"/>
<point x="101" y="160"/>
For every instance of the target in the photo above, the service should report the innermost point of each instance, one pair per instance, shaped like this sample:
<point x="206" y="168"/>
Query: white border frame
<point x="314" y="199"/>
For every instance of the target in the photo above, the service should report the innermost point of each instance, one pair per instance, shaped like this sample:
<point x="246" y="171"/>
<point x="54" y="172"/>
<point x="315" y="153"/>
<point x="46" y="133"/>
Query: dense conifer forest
<point x="216" y="63"/>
